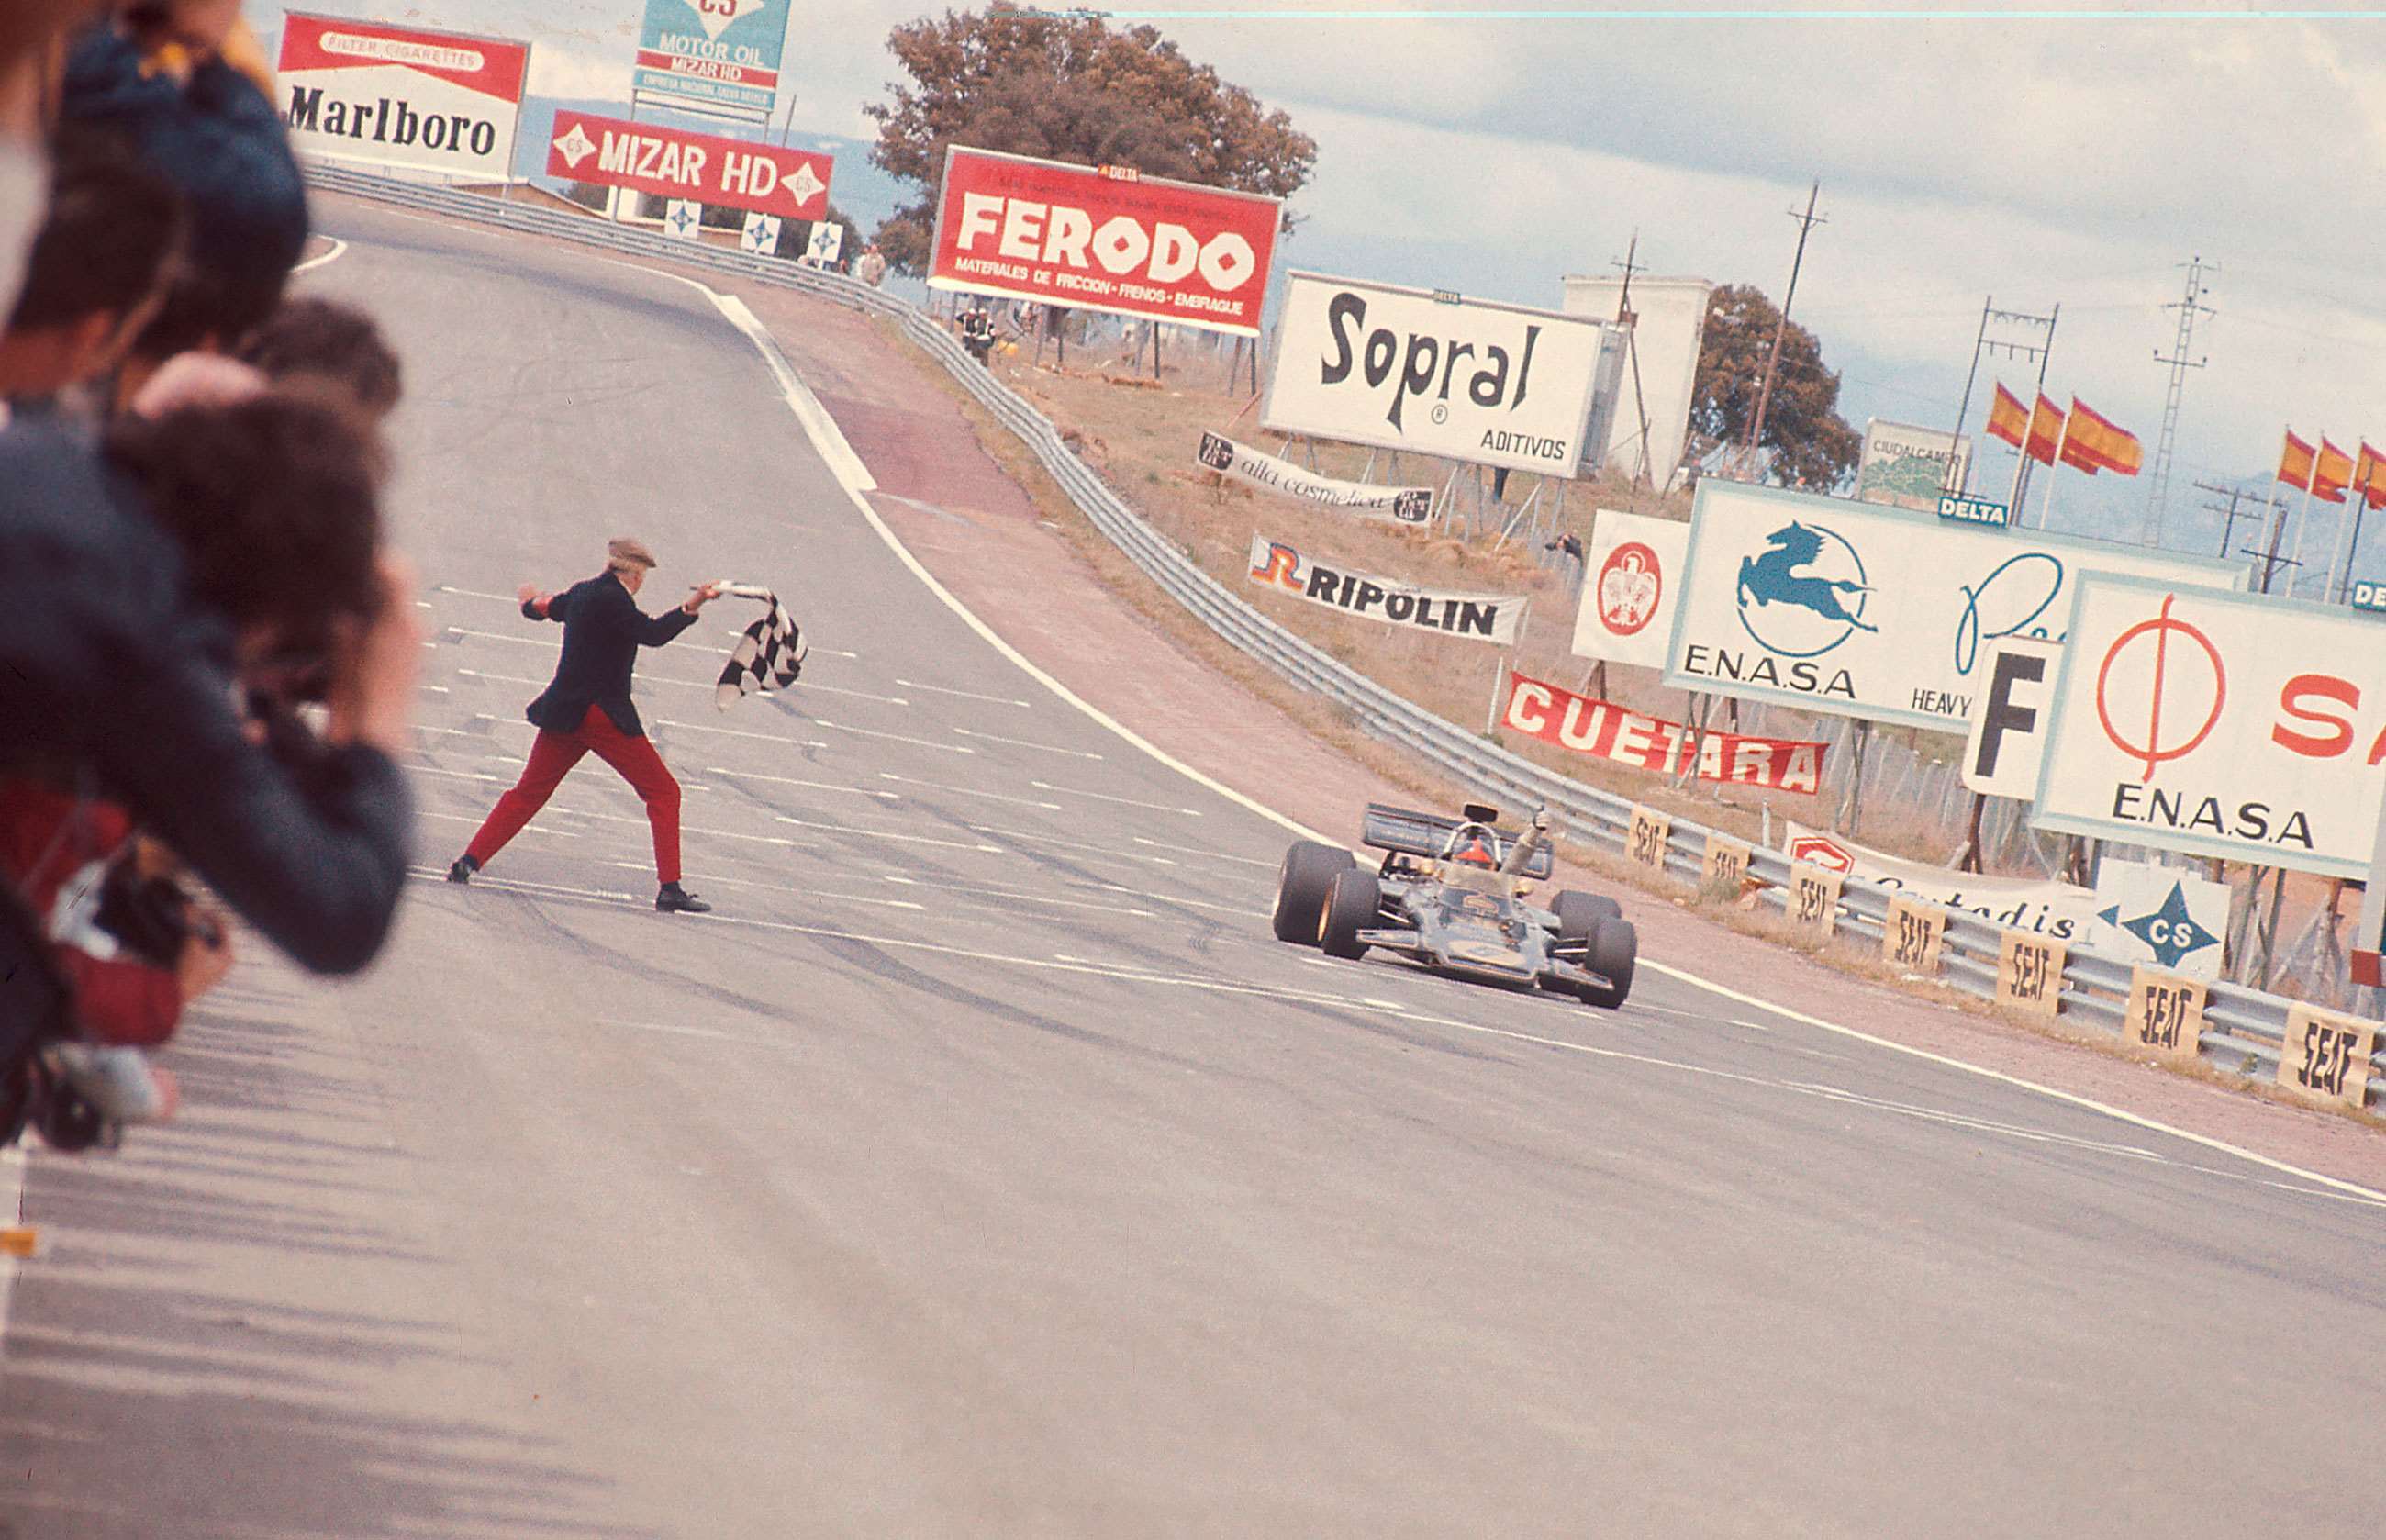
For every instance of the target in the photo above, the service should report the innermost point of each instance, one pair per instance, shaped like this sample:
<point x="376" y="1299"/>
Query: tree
<point x="1067" y="88"/>
<point x="1812" y="445"/>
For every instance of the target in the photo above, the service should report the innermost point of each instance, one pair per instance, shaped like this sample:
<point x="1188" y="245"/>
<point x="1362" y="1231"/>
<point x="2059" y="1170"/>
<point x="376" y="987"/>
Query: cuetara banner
<point x="697" y="167"/>
<point x="1104" y="239"/>
<point x="1409" y="504"/>
<point x="1433" y="374"/>
<point x="1476" y="617"/>
<point x="405" y="96"/>
<point x="1607" y="730"/>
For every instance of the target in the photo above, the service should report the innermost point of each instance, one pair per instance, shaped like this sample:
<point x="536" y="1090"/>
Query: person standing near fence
<point x="587" y="709"/>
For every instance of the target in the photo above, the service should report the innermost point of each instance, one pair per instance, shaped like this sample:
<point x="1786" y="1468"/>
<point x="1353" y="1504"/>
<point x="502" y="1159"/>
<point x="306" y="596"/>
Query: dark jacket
<point x="603" y="628"/>
<point x="103" y="665"/>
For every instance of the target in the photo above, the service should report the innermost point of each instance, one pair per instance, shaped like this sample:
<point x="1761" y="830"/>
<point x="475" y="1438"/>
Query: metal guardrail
<point x="2243" y="1028"/>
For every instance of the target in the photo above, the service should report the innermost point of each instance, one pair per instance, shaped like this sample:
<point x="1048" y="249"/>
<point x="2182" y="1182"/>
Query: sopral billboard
<point x="1908" y="467"/>
<point x="427" y="101"/>
<point x="1433" y="373"/>
<point x="719" y="58"/>
<point x="2242" y="726"/>
<point x="1104" y="239"/>
<point x="697" y="167"/>
<point x="1872" y="611"/>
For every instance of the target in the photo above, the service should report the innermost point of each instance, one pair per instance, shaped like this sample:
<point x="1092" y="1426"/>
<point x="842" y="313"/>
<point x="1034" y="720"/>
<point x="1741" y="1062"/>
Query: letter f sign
<point x="2003" y="754"/>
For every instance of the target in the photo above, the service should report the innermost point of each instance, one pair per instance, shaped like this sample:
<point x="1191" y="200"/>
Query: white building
<point x="1672" y="315"/>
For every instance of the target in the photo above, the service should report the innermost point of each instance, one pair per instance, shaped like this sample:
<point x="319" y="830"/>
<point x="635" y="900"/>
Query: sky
<point x="2055" y="156"/>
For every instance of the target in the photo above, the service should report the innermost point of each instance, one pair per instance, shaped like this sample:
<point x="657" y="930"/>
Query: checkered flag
<point x="767" y="656"/>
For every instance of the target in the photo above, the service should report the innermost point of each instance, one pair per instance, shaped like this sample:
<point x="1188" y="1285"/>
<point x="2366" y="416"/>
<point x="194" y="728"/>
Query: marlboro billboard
<point x="697" y="167"/>
<point x="1103" y="240"/>
<point x="402" y="95"/>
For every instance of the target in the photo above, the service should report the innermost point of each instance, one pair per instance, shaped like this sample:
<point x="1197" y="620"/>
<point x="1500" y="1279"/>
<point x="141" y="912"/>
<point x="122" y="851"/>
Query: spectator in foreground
<point x="96" y="271"/>
<point x="325" y="343"/>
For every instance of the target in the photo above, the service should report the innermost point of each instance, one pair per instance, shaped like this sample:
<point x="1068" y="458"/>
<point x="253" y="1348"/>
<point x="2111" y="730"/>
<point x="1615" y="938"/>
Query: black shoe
<point x="461" y="868"/>
<point x="671" y="898"/>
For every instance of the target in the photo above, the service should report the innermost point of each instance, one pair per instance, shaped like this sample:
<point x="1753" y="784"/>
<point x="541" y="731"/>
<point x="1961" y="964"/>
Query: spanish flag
<point x="2333" y="474"/>
<point x="2095" y="443"/>
<point x="2045" y="430"/>
<point x="2370" y="476"/>
<point x="2295" y="463"/>
<point x="2008" y="418"/>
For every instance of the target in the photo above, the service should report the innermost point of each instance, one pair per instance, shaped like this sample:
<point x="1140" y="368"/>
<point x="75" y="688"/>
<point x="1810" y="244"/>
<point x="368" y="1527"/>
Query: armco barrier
<point x="2243" y="1028"/>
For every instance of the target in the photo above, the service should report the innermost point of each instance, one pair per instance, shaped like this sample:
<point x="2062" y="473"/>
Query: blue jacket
<point x="603" y="628"/>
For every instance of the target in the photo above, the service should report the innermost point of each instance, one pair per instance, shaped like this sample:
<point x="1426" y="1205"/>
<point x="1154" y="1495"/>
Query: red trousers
<point x="552" y="754"/>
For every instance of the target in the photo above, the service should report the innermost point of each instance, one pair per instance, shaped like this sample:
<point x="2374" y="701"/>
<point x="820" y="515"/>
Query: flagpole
<point x="2303" y="523"/>
<point x="2278" y="528"/>
<point x="2046" y="508"/>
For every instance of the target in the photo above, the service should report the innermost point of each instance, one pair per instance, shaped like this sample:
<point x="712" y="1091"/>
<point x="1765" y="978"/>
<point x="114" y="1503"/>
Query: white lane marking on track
<point x="855" y="478"/>
<point x="434" y="689"/>
<point x="1213" y="855"/>
<point x="1021" y="743"/>
<point x="793" y="780"/>
<point x="809" y="646"/>
<point x="339" y="249"/>
<point x="893" y="738"/>
<point x="550" y="831"/>
<point x="476" y="594"/>
<point x="967" y="694"/>
<point x="968" y="791"/>
<point x="1246" y="988"/>
<point x="889" y="834"/>
<point x="943" y="886"/>
<point x="738" y="732"/>
<point x="1105" y="796"/>
<point x="1102" y="850"/>
<point x="12" y="1202"/>
<point x="807" y="895"/>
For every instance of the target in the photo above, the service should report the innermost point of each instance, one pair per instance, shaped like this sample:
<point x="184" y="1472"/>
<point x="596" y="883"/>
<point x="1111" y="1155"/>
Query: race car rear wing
<point x="1428" y="835"/>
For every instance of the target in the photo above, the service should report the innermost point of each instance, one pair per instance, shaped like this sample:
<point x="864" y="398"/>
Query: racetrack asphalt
<point x="984" y="1166"/>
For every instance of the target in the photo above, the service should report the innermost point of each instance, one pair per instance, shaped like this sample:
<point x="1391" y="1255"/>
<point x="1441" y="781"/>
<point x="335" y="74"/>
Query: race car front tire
<point x="1300" y="886"/>
<point x="1615" y="951"/>
<point x="1352" y="905"/>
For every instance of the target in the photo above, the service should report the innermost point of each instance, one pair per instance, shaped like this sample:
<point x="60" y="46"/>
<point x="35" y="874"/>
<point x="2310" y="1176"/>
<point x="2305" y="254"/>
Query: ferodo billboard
<point x="1103" y="240"/>
<point x="1872" y="611"/>
<point x="2245" y="727"/>
<point x="401" y="95"/>
<point x="1433" y="373"/>
<point x="697" y="167"/>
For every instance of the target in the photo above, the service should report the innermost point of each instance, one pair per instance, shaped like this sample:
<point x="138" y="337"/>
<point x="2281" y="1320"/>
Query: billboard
<point x="1409" y="504"/>
<point x="1871" y="612"/>
<point x="1621" y="735"/>
<point x="402" y="97"/>
<point x="1104" y="239"/>
<point x="1908" y="467"/>
<point x="2043" y="906"/>
<point x="717" y="57"/>
<point x="1631" y="580"/>
<point x="1669" y="318"/>
<point x="1390" y="601"/>
<point x="2243" y="726"/>
<point x="1433" y="373"/>
<point x="697" y="167"/>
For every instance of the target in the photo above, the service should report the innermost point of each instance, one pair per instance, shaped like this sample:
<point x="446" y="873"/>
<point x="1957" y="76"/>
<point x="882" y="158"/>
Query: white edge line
<point x="855" y="478"/>
<point x="339" y="249"/>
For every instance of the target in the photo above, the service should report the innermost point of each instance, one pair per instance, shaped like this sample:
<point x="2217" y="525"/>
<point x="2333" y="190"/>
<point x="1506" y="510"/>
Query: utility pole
<point x="2189" y="307"/>
<point x="1626" y="318"/>
<point x="1806" y="223"/>
<point x="2040" y="330"/>
<point x="2235" y="495"/>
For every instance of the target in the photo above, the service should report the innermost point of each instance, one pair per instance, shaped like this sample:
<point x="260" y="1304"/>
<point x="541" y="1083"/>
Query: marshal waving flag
<point x="2091" y="441"/>
<point x="1607" y="730"/>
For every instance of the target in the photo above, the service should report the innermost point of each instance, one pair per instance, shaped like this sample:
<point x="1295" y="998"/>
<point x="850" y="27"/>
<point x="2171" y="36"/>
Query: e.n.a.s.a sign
<point x="1871" y="612"/>
<point x="1433" y="374"/>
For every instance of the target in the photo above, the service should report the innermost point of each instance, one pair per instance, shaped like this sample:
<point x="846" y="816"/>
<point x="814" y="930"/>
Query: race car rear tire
<point x="1352" y="905"/>
<point x="1300" y="883"/>
<point x="1615" y="951"/>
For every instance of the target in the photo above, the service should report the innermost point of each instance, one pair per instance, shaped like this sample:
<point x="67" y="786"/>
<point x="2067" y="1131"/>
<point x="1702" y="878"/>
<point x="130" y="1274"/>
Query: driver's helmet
<point x="1473" y="843"/>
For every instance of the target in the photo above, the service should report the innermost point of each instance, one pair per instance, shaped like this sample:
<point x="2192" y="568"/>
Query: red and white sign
<point x="1823" y="851"/>
<point x="1631" y="576"/>
<point x="2056" y="911"/>
<point x="407" y="96"/>
<point x="1626" y="737"/>
<point x="2218" y="723"/>
<point x="1098" y="240"/>
<point x="700" y="168"/>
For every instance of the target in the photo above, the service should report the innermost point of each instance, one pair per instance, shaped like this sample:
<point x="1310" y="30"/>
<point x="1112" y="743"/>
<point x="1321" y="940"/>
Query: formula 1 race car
<point x="1450" y="896"/>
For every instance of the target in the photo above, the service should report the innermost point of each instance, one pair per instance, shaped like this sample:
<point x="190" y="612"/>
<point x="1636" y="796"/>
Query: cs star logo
<point x="2170" y="932"/>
